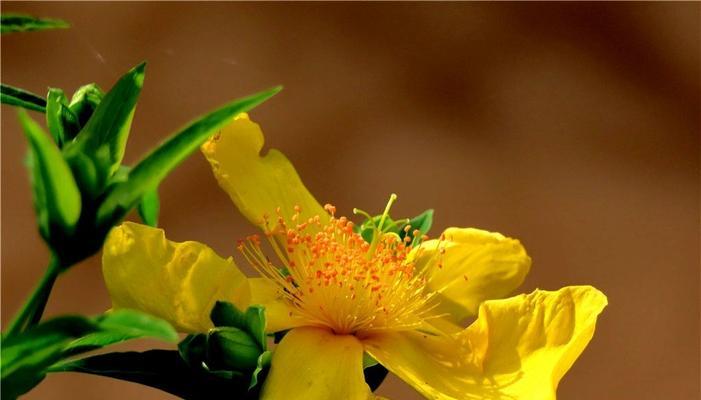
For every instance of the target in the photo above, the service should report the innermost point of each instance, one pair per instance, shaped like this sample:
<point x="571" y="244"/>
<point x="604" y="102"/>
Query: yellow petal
<point x="257" y="184"/>
<point x="278" y="315"/>
<point x="314" y="364"/>
<point x="477" y="265"/>
<point x="519" y="348"/>
<point x="179" y="282"/>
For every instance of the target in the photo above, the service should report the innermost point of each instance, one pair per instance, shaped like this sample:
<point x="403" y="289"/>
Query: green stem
<point x="33" y="308"/>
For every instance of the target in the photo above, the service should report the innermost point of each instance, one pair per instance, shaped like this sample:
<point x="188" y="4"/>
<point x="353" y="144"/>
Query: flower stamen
<point x="333" y="278"/>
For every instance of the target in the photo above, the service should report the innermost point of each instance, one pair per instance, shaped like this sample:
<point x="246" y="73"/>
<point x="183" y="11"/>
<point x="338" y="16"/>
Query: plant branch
<point x="33" y="308"/>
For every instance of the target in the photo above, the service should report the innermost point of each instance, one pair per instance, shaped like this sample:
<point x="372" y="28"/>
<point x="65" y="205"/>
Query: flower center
<point x="333" y="278"/>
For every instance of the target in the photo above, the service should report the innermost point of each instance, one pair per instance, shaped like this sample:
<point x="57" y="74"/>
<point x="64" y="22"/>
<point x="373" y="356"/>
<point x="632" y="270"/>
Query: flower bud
<point x="231" y="348"/>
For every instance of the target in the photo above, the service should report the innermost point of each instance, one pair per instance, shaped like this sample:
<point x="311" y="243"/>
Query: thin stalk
<point x="33" y="308"/>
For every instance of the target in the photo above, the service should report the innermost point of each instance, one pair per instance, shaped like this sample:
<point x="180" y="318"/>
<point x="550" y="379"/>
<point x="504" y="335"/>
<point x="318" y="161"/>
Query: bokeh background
<point x="574" y="127"/>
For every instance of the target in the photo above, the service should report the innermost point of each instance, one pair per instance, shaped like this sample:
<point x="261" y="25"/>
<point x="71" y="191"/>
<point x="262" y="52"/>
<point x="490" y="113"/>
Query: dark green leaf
<point x="86" y="174"/>
<point x="225" y="314"/>
<point x="230" y="348"/>
<point x="53" y="180"/>
<point x="104" y="137"/>
<point x="162" y="369"/>
<point x="374" y="376"/>
<point x="21" y="98"/>
<point x="278" y="336"/>
<point x="24" y="23"/>
<point x="149" y="207"/>
<point x="193" y="350"/>
<point x="148" y="173"/>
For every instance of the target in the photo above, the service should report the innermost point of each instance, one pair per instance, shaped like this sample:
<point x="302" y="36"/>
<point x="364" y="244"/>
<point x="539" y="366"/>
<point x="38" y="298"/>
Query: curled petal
<point x="518" y="349"/>
<point x="470" y="266"/>
<point x="179" y="282"/>
<point x="257" y="184"/>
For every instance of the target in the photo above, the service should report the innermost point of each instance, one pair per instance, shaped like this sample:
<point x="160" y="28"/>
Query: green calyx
<point x="236" y="348"/>
<point x="374" y="227"/>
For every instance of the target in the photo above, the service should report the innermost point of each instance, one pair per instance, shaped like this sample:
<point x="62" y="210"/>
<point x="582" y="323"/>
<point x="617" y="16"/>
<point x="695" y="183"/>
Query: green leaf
<point x="149" y="206"/>
<point x="86" y="175"/>
<point x="122" y="325"/>
<point x="55" y="189"/>
<point x="137" y="324"/>
<point x="162" y="369"/>
<point x="26" y="357"/>
<point x="84" y="102"/>
<point x="158" y="164"/>
<point x="104" y="137"/>
<point x="262" y="364"/>
<point x="10" y="23"/>
<point x="21" y="98"/>
<point x="59" y="118"/>
<point x="255" y="322"/>
<point x="225" y="314"/>
<point x="193" y="350"/>
<point x="230" y="348"/>
<point x="94" y="341"/>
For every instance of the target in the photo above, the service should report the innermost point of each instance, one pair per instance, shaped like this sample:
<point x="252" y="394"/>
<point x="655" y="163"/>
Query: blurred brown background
<point x="572" y="127"/>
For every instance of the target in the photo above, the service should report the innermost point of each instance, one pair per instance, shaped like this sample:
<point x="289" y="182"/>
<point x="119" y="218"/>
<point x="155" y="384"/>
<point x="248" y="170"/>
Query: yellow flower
<point x="404" y="305"/>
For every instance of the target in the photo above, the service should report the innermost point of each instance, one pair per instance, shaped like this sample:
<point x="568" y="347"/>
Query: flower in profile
<point x="404" y="300"/>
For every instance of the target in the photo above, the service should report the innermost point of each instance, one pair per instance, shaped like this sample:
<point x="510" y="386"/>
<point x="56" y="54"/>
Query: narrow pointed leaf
<point x="120" y="326"/>
<point x="10" y="23"/>
<point x="158" y="164"/>
<point x="104" y="137"/>
<point x="26" y="357"/>
<point x="162" y="369"/>
<point x="61" y="197"/>
<point x="137" y="324"/>
<point x="21" y="98"/>
<point x="149" y="207"/>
